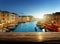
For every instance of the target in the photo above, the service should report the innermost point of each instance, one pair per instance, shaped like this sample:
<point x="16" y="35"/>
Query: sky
<point x="30" y="7"/>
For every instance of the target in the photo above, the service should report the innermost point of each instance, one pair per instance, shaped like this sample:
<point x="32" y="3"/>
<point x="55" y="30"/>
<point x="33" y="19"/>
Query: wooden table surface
<point x="30" y="36"/>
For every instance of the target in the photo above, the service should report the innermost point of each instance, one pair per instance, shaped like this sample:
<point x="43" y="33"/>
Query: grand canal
<point x="27" y="27"/>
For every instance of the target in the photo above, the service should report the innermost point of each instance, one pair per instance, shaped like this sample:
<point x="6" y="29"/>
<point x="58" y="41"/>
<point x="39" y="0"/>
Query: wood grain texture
<point x="30" y="36"/>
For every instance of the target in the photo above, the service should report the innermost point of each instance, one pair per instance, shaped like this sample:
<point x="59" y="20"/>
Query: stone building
<point x="51" y="22"/>
<point x="56" y="17"/>
<point x="8" y="20"/>
<point x="12" y="20"/>
<point x="25" y="19"/>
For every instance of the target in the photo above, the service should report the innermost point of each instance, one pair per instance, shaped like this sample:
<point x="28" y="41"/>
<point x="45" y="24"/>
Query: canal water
<point x="27" y="27"/>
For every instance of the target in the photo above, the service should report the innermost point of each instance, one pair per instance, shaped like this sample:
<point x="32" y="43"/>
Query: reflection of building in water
<point x="51" y="22"/>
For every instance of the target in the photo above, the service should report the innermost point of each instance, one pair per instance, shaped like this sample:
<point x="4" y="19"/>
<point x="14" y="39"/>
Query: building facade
<point x="26" y="19"/>
<point x="7" y="20"/>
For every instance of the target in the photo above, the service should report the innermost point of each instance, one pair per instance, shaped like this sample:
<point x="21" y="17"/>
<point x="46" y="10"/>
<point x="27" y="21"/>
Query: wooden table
<point x="30" y="36"/>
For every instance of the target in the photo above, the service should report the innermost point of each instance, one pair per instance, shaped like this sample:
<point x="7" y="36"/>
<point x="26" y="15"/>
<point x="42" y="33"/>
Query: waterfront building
<point x="25" y="19"/>
<point x="51" y="22"/>
<point x="7" y="20"/>
<point x="57" y="18"/>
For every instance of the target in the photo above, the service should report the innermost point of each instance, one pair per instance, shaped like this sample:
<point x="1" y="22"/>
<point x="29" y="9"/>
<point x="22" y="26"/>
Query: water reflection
<point x="27" y="27"/>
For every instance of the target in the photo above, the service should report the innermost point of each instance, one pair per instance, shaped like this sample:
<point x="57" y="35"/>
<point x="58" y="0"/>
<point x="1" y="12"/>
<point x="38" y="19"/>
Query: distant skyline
<point x="30" y="7"/>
